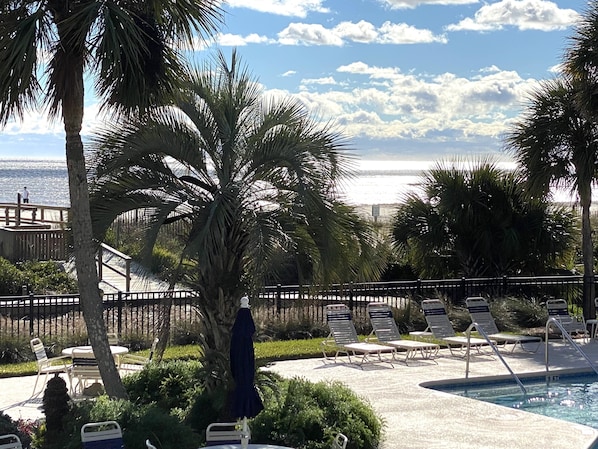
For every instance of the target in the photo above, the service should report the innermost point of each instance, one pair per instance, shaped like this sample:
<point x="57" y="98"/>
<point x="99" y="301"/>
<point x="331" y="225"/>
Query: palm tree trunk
<point x="587" y="249"/>
<point x="84" y="248"/>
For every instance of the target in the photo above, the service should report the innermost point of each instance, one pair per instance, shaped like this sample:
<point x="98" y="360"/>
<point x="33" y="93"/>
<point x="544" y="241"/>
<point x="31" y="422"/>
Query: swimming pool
<point x="570" y="397"/>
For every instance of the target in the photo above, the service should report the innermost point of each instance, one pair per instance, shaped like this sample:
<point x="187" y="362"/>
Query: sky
<point x="400" y="79"/>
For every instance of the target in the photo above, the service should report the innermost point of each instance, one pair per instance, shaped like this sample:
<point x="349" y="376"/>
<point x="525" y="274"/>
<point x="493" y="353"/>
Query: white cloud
<point x="289" y="73"/>
<point x="410" y="4"/>
<point x="319" y="81"/>
<point x="401" y="33"/>
<point x="308" y="34"/>
<point x="235" y="40"/>
<point x="409" y="105"/>
<point x="361" y="32"/>
<point x="523" y="14"/>
<point x="290" y="8"/>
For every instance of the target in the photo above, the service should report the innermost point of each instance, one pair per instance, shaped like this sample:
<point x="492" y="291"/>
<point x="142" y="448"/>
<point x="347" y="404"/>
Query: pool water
<point x="570" y="398"/>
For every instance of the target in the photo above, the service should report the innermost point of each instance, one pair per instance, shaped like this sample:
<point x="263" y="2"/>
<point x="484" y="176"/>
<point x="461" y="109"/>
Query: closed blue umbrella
<point x="246" y="402"/>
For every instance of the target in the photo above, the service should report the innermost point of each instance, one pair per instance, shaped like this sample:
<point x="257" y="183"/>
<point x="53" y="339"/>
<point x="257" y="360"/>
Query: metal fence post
<point x="351" y="296"/>
<point x="119" y="308"/>
<point x="31" y="299"/>
<point x="278" y="298"/>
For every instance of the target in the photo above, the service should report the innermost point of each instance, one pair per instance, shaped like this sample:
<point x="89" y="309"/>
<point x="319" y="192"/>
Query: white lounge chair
<point x="559" y="309"/>
<point x="442" y="329"/>
<point x="46" y="365"/>
<point x="479" y="311"/>
<point x="104" y="435"/>
<point x="343" y="338"/>
<point x="385" y="330"/>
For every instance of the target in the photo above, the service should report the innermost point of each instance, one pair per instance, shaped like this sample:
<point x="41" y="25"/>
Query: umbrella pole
<point x="245" y="435"/>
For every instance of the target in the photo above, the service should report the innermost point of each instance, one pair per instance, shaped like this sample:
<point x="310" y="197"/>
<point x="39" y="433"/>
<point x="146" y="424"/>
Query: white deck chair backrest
<point x="341" y="326"/>
<point x="102" y="435"/>
<point x="112" y="338"/>
<point x="40" y="352"/>
<point x="479" y="311"/>
<point x="437" y="318"/>
<point x="383" y="322"/>
<point x="558" y="308"/>
<point x="225" y="433"/>
<point x="340" y="441"/>
<point x="10" y="441"/>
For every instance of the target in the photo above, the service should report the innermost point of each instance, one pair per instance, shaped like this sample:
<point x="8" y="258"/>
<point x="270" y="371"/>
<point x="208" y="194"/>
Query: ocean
<point x="376" y="182"/>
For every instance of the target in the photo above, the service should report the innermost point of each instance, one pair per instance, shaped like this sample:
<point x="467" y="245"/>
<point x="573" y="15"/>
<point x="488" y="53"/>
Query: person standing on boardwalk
<point x="25" y="195"/>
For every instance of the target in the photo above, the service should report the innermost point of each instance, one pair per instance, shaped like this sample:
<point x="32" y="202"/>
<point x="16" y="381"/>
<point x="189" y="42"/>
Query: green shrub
<point x="47" y="277"/>
<point x="11" y="279"/>
<point x="307" y="415"/>
<point x="170" y="385"/>
<point x="15" y="350"/>
<point x="138" y="422"/>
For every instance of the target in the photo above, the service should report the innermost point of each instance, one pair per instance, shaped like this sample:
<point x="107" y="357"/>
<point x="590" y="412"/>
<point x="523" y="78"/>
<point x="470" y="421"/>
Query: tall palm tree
<point x="556" y="145"/>
<point x="249" y="175"/>
<point x="581" y="65"/>
<point x="46" y="49"/>
<point x="477" y="222"/>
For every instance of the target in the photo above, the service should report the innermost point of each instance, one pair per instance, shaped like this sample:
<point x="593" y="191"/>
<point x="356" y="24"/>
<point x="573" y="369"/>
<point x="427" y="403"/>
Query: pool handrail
<point x="494" y="348"/>
<point x="566" y="336"/>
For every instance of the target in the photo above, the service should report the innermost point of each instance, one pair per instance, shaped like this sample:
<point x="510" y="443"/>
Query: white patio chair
<point x="226" y="433"/>
<point x="340" y="441"/>
<point x="47" y="366"/>
<point x="102" y="435"/>
<point x="10" y="441"/>
<point x="134" y="362"/>
<point x="84" y="370"/>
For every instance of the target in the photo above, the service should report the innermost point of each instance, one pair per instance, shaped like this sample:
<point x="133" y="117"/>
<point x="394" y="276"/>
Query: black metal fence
<point x="137" y="313"/>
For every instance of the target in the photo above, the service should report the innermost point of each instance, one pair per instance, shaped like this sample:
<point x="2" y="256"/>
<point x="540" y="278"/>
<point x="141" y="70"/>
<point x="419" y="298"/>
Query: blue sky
<point x="402" y="79"/>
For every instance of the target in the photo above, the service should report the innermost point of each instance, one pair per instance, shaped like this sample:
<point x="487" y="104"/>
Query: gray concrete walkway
<point x="416" y="417"/>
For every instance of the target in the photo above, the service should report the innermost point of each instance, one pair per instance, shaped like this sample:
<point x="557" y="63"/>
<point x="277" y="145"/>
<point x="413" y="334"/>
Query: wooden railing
<point x="31" y="243"/>
<point x="17" y="214"/>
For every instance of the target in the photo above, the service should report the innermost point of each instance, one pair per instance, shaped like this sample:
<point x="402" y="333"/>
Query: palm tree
<point x="249" y="175"/>
<point x="581" y="65"/>
<point x="477" y="222"/>
<point x="556" y="145"/>
<point x="46" y="48"/>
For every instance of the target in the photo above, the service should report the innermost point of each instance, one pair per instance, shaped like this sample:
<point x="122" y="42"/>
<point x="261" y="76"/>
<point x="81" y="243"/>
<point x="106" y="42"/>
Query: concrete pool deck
<point x="418" y="417"/>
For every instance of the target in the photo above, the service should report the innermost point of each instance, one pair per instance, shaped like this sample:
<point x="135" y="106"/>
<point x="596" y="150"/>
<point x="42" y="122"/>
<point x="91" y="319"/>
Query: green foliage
<point x="138" y="422"/>
<point x="170" y="385"/>
<point x="48" y="277"/>
<point x="480" y="222"/>
<point x="14" y="350"/>
<point x="39" y="277"/>
<point x="307" y="415"/>
<point x="11" y="279"/>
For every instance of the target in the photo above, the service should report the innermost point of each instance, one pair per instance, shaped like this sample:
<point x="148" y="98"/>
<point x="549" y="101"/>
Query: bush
<point x="138" y="422"/>
<point x="307" y="415"/>
<point x="170" y="385"/>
